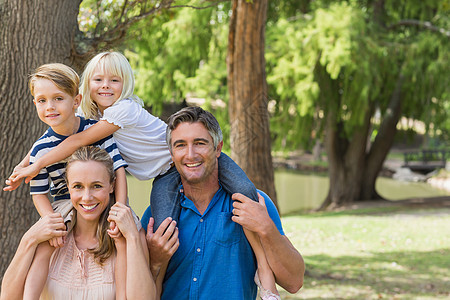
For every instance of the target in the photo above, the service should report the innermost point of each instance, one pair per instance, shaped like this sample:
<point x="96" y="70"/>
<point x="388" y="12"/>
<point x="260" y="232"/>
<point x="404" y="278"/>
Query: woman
<point x="96" y="262"/>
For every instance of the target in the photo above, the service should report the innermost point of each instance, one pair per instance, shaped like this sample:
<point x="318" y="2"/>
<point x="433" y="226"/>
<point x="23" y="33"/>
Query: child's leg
<point x="164" y="199"/>
<point x="234" y="179"/>
<point x="267" y="287"/>
<point x="37" y="275"/>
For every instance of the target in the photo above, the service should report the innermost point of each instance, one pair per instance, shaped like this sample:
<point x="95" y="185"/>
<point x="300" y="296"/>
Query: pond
<point x="296" y="191"/>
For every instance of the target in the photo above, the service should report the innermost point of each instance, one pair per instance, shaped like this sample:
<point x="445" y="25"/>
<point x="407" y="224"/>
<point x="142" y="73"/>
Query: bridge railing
<point x="425" y="160"/>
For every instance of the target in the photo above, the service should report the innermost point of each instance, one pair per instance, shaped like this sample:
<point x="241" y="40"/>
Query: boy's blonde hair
<point x="115" y="64"/>
<point x="64" y="77"/>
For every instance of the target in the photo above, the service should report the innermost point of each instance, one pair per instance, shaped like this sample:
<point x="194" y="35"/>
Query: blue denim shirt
<point x="214" y="259"/>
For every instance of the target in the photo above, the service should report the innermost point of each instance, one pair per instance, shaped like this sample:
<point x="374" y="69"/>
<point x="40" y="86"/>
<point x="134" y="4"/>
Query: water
<point x="298" y="191"/>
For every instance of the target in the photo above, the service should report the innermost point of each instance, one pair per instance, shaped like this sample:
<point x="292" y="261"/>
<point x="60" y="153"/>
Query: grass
<point x="398" y="253"/>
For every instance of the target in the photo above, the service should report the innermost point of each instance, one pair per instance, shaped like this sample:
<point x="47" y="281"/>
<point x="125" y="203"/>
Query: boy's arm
<point x="42" y="204"/>
<point x="87" y="137"/>
<point x="120" y="189"/>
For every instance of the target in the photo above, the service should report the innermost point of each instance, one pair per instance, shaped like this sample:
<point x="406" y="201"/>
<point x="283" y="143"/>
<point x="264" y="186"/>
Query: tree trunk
<point x="383" y="143"/>
<point x="249" y="118"/>
<point x="31" y="33"/>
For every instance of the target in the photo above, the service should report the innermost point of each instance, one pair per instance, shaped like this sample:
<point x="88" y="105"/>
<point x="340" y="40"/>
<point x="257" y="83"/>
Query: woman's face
<point x="90" y="188"/>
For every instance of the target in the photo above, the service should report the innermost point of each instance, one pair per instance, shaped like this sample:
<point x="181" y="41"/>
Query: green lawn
<point x="391" y="253"/>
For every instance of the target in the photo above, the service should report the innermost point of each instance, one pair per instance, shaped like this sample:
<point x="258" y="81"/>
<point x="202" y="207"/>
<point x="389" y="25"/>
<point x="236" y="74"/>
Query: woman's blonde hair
<point x="115" y="64"/>
<point x="106" y="245"/>
<point x="64" y="77"/>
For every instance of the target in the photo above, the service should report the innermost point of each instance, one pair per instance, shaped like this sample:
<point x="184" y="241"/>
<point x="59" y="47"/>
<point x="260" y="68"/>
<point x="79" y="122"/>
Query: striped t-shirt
<point x="51" y="178"/>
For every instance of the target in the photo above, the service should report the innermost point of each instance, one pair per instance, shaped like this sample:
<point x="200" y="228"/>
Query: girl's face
<point x="90" y="188"/>
<point x="105" y="89"/>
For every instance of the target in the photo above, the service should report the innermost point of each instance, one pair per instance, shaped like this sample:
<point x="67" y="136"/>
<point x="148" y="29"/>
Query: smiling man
<point x="214" y="258"/>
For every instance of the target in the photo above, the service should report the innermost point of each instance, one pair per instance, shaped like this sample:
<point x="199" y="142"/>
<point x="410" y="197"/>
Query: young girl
<point x="107" y="95"/>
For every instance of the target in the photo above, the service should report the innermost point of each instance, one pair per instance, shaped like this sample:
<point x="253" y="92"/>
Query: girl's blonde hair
<point x="64" y="77"/>
<point x="106" y="245"/>
<point x="112" y="63"/>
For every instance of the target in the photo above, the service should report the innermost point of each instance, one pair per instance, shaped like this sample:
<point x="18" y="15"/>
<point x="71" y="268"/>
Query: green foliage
<point x="363" y="59"/>
<point x="181" y="53"/>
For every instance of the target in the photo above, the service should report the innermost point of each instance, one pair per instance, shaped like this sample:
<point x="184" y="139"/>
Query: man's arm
<point x="285" y="261"/>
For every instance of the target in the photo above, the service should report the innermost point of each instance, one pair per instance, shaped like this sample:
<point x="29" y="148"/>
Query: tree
<point x="249" y="119"/>
<point x="351" y="70"/>
<point x="29" y="38"/>
<point x="34" y="33"/>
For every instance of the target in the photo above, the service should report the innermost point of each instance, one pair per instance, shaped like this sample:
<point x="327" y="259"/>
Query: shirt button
<point x="201" y="220"/>
<point x="198" y="250"/>
<point x="195" y="279"/>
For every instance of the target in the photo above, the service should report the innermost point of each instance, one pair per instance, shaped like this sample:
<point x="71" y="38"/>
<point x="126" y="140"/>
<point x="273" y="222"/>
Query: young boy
<point x="55" y="91"/>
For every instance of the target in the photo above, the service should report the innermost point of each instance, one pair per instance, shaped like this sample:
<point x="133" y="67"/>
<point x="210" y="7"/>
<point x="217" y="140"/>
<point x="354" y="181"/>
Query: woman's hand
<point x="46" y="228"/>
<point x="121" y="215"/>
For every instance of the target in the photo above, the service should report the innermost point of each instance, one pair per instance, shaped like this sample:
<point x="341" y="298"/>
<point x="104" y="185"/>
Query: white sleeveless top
<point x="141" y="139"/>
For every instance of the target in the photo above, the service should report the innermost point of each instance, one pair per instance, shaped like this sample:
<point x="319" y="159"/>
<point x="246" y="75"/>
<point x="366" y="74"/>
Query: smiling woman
<point x="102" y="251"/>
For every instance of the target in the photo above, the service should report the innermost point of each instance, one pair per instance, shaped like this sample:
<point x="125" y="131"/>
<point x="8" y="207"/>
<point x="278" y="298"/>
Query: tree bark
<point x="31" y="33"/>
<point x="249" y="118"/>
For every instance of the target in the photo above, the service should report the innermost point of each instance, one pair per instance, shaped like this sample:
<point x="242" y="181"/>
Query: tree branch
<point x="426" y="25"/>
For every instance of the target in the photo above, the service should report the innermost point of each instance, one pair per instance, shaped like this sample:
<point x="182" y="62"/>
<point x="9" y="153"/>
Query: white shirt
<point x="141" y="139"/>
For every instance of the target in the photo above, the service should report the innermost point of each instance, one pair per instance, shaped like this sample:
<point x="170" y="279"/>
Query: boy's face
<point x="55" y="107"/>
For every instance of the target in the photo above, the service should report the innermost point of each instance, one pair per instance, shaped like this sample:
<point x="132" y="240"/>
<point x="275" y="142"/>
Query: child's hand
<point x="12" y="185"/>
<point x="57" y="242"/>
<point x="26" y="173"/>
<point x="123" y="218"/>
<point x="114" y="232"/>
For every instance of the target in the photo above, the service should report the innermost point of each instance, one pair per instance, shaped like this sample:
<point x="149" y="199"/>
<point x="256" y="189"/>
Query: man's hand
<point x="251" y="215"/>
<point x="162" y="244"/>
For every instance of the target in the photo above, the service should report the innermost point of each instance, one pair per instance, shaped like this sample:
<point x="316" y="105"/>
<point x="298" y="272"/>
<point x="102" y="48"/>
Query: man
<point x="214" y="259"/>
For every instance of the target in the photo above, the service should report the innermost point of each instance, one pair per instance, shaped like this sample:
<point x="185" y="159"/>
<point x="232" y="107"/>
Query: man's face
<point x="193" y="153"/>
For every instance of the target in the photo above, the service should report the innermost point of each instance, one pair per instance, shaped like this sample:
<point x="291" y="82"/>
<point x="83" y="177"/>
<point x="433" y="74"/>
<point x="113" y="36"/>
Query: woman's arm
<point x="14" y="278"/>
<point x="139" y="281"/>
<point x="120" y="270"/>
<point x="96" y="132"/>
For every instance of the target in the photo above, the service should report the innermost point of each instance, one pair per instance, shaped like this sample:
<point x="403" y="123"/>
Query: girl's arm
<point x="120" y="189"/>
<point x="12" y="185"/>
<point x="96" y="132"/>
<point x="14" y="278"/>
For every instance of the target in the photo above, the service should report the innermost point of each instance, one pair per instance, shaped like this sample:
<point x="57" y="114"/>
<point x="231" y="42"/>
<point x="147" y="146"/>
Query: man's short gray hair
<point x="191" y="115"/>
